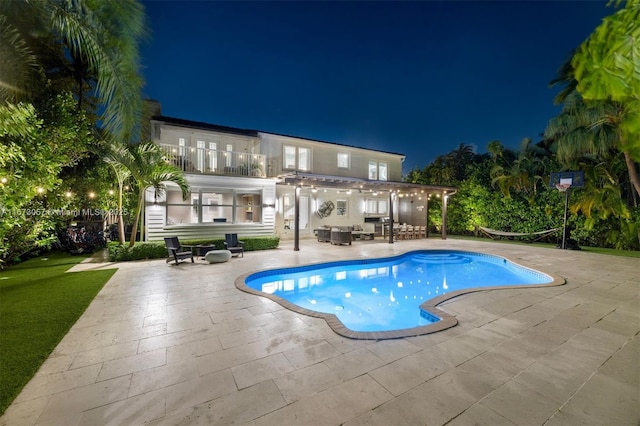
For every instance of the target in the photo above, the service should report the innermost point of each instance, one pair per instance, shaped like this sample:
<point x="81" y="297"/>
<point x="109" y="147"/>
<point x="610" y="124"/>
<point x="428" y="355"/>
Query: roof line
<point x="252" y="132"/>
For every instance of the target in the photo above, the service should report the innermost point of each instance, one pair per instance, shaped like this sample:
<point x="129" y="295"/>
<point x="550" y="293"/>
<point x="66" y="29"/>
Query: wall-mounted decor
<point x="325" y="209"/>
<point x="342" y="208"/>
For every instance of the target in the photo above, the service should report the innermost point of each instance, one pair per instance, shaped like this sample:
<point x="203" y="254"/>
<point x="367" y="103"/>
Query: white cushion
<point x="217" y="256"/>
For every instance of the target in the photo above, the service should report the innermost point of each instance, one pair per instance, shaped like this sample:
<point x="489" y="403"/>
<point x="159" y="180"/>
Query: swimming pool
<point x="390" y="297"/>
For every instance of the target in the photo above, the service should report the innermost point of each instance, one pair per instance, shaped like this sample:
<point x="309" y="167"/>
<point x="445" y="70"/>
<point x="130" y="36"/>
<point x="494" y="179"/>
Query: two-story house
<point x="257" y="183"/>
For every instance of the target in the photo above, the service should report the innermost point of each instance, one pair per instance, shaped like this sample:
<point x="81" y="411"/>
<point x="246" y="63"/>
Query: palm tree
<point x="101" y="38"/>
<point x="149" y="168"/>
<point x="460" y="157"/>
<point x="117" y="156"/>
<point x="590" y="129"/>
<point x="524" y="174"/>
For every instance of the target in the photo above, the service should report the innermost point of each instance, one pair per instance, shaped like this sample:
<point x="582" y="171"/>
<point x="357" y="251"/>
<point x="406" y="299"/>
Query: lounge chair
<point x="176" y="252"/>
<point x="234" y="245"/>
<point x="492" y="233"/>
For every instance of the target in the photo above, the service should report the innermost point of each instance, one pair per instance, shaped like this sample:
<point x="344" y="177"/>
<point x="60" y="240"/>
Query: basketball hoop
<point x="562" y="187"/>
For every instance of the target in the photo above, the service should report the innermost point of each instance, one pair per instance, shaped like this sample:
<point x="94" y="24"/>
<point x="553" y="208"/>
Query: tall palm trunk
<point x="136" y="219"/>
<point x="121" y="236"/>
<point x="633" y="173"/>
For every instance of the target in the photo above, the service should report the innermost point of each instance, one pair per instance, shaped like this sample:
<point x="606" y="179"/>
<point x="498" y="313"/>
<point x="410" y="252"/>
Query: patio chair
<point x="176" y="252"/>
<point x="234" y="245"/>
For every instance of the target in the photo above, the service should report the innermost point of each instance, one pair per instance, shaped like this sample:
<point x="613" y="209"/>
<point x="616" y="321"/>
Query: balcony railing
<point x="215" y="162"/>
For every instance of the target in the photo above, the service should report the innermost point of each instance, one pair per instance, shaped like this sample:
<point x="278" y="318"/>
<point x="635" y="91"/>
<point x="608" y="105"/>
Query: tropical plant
<point x="94" y="42"/>
<point x="116" y="157"/>
<point x="148" y="167"/>
<point x="607" y="68"/>
<point x="589" y="130"/>
<point x="525" y="174"/>
<point x="34" y="149"/>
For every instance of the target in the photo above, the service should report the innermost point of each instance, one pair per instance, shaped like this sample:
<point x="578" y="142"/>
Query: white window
<point x="182" y="143"/>
<point x="289" y="157"/>
<point x="375" y="206"/>
<point x="304" y="159"/>
<point x="213" y="156"/>
<point x="343" y="160"/>
<point x="373" y="170"/>
<point x="297" y="158"/>
<point x="377" y="171"/>
<point x="371" y="206"/>
<point x="382" y="171"/>
<point x="229" y="155"/>
<point x="214" y="206"/>
<point x="200" y="155"/>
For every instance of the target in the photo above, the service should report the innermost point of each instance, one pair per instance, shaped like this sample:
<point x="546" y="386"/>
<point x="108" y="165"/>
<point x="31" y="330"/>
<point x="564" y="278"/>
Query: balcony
<point x="215" y="162"/>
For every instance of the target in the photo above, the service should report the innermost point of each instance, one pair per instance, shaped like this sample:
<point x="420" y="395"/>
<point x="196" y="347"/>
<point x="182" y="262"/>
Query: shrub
<point x="250" y="243"/>
<point x="158" y="250"/>
<point x="140" y="251"/>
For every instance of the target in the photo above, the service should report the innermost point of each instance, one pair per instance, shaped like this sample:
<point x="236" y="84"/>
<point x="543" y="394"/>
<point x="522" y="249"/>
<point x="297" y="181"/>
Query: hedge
<point x="157" y="249"/>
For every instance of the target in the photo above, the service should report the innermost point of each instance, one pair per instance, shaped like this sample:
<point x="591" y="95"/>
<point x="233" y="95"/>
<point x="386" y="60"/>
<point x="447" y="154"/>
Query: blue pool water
<point x="386" y="294"/>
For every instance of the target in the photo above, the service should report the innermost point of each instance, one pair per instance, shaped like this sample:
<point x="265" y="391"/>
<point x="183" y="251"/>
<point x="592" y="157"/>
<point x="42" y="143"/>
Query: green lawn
<point x="39" y="303"/>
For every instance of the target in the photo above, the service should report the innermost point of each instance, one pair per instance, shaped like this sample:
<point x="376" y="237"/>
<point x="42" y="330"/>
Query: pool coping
<point x="430" y="306"/>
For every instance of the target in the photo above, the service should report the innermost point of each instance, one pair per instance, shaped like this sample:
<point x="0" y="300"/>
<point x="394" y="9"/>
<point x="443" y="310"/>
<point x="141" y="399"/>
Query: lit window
<point x="200" y="155"/>
<point x="377" y="171"/>
<point x="304" y="159"/>
<point x="373" y="170"/>
<point x="382" y="171"/>
<point x="213" y="156"/>
<point x="297" y="158"/>
<point x="289" y="157"/>
<point x="214" y="206"/>
<point x="375" y="206"/>
<point x="343" y="160"/>
<point x="229" y="155"/>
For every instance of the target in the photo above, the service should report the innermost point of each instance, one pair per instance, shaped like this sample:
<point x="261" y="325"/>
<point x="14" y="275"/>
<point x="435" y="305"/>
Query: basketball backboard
<point x="575" y="179"/>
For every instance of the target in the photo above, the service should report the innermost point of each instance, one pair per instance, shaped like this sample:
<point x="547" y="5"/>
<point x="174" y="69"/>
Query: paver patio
<point x="167" y="345"/>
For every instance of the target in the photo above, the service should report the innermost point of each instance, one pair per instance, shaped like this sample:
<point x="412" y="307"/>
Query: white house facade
<point x="257" y="183"/>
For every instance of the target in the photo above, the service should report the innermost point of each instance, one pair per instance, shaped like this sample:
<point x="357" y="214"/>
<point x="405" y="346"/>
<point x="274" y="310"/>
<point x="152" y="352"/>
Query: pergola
<point x="395" y="189"/>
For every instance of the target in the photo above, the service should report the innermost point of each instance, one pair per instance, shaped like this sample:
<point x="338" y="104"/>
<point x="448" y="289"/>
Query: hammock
<point x="491" y="233"/>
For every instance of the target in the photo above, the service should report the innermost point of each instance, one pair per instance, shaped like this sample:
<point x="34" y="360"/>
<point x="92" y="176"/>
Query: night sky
<point x="416" y="78"/>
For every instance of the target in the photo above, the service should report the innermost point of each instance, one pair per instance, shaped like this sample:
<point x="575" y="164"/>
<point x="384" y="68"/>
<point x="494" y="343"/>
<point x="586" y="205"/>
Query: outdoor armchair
<point x="234" y="245"/>
<point x="176" y="252"/>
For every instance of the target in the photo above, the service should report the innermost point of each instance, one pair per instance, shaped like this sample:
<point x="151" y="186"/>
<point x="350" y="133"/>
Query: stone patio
<point x="167" y="345"/>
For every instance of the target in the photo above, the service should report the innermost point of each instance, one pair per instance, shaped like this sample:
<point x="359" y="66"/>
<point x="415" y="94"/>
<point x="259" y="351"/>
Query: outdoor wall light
<point x="67" y="194"/>
<point x="40" y="190"/>
<point x="3" y="180"/>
